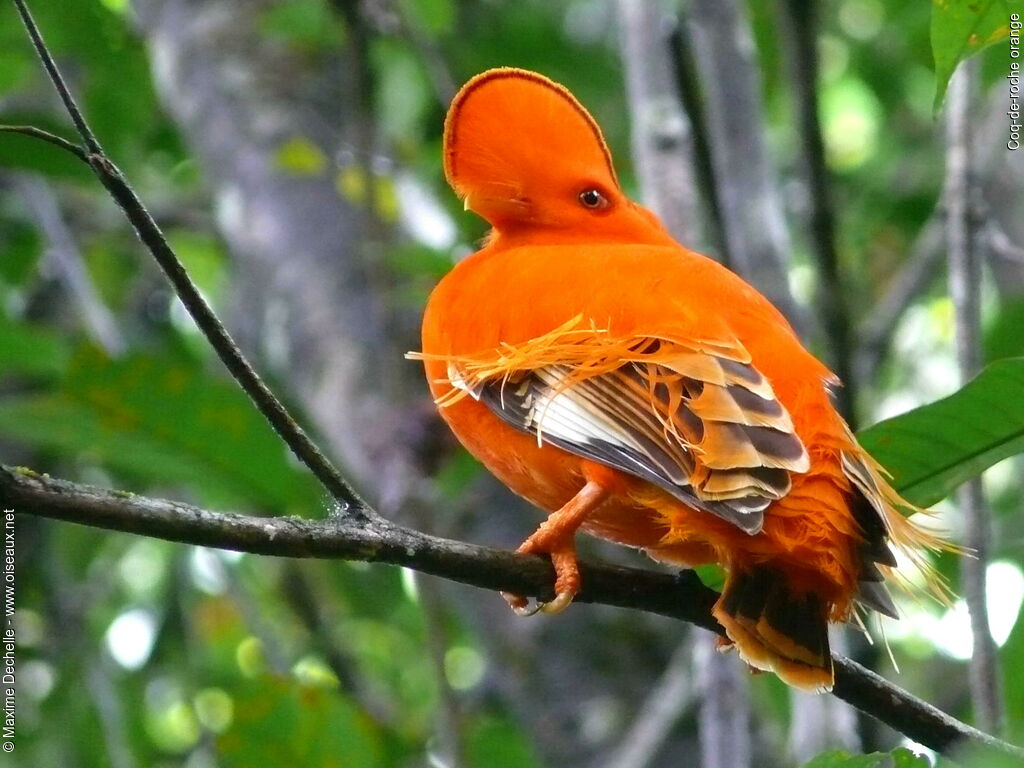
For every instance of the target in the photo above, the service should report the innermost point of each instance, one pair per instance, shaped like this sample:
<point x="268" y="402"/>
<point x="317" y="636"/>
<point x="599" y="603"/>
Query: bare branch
<point x="39" y="133"/>
<point x="57" y="79"/>
<point x="217" y="335"/>
<point x="448" y="719"/>
<point x="681" y="596"/>
<point x="411" y="28"/>
<point x="802" y="20"/>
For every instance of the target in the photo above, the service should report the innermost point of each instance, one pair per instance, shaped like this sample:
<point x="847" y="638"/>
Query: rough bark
<point x="756" y="241"/>
<point x="302" y="289"/>
<point x="660" y="129"/>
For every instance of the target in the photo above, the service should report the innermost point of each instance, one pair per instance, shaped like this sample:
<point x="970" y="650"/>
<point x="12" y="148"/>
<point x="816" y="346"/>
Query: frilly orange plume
<point x="506" y="124"/>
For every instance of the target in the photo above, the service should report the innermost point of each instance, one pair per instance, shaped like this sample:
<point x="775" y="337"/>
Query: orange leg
<point x="554" y="537"/>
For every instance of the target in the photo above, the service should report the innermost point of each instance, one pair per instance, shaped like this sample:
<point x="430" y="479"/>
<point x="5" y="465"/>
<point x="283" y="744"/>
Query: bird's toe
<point x="520" y="605"/>
<point x="559" y="604"/>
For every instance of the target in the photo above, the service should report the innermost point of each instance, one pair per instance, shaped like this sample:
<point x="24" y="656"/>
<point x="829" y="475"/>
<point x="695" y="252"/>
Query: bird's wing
<point x="696" y="419"/>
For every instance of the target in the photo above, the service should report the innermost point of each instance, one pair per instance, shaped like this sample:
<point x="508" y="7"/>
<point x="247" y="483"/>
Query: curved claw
<point x="559" y="604"/>
<point x="520" y="605"/>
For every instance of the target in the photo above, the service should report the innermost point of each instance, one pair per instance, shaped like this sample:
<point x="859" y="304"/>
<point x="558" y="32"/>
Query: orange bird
<point x="644" y="393"/>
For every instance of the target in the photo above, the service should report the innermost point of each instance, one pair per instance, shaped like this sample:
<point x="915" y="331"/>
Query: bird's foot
<point x="567" y="576"/>
<point x="554" y="538"/>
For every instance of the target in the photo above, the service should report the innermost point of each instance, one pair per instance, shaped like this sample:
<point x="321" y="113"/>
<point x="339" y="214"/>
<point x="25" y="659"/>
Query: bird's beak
<point x="495" y="204"/>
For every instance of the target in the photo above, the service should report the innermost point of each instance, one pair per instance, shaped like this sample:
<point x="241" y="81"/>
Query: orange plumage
<point x="644" y="393"/>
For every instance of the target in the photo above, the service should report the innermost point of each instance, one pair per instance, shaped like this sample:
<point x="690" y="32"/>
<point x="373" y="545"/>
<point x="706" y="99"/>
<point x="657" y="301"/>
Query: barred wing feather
<point x="704" y="427"/>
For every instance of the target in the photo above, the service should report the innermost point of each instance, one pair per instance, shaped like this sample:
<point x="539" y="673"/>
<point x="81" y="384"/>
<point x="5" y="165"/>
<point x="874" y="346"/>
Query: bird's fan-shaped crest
<point x="508" y="127"/>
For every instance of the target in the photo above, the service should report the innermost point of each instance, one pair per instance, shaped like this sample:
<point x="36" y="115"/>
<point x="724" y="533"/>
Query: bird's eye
<point x="593" y="199"/>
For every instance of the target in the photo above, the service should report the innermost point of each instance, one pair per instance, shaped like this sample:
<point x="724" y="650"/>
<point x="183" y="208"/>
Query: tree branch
<point x="91" y="144"/>
<point x="963" y="241"/>
<point x="747" y="196"/>
<point x="39" y="133"/>
<point x="681" y="596"/>
<point x="660" y="129"/>
<point x="724" y="733"/>
<point x="802" y="18"/>
<point x="214" y="331"/>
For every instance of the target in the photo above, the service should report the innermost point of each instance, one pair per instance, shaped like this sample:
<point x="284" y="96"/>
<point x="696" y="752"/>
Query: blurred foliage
<point x="161" y="420"/>
<point x="962" y="28"/>
<point x="900" y="758"/>
<point x="141" y="652"/>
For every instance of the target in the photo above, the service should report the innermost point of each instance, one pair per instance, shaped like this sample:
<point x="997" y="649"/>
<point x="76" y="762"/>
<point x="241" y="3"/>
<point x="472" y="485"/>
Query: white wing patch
<point x="722" y="444"/>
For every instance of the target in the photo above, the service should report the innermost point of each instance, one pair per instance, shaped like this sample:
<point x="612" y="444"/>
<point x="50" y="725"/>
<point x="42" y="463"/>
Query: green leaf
<point x="1002" y="336"/>
<point x="494" y="743"/>
<point x="30" y="350"/>
<point x="898" y="758"/>
<point x="303" y="24"/>
<point x="437" y="16"/>
<point x="403" y="91"/>
<point x="277" y="721"/>
<point x="711" y="575"/>
<point x="164" y="421"/>
<point x="15" y="68"/>
<point x="21" y="247"/>
<point x="904" y="758"/>
<point x="962" y="28"/>
<point x="933" y="449"/>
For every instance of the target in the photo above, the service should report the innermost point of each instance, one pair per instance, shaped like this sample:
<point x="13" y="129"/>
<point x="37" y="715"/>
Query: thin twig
<point x="39" y="133"/>
<point x="802" y="18"/>
<point x="91" y="144"/>
<point x="1000" y="242"/>
<point x="679" y="596"/>
<point x="963" y="241"/>
<point x="219" y="338"/>
<point x="309" y="608"/>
